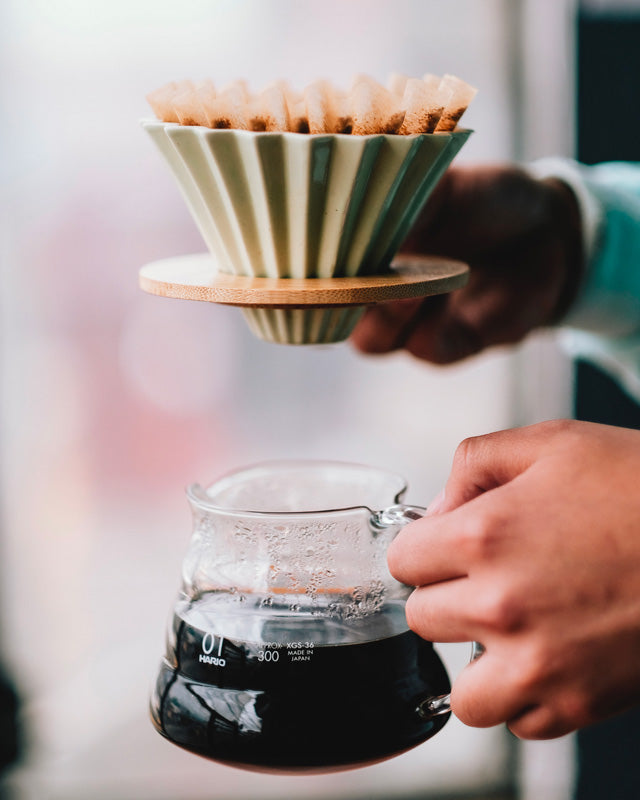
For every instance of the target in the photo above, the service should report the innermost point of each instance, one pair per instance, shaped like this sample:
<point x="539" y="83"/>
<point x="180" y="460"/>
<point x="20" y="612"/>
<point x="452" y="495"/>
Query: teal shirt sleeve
<point x="609" y="299"/>
<point x="603" y="325"/>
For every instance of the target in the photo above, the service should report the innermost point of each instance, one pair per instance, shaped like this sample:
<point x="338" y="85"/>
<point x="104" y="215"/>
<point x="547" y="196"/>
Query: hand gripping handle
<point x="399" y="514"/>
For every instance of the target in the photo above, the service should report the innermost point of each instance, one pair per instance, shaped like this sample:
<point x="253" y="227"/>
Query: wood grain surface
<point x="194" y="277"/>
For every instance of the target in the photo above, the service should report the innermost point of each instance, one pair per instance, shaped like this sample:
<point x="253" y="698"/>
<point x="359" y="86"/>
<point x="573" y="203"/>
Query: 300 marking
<point x="268" y="655"/>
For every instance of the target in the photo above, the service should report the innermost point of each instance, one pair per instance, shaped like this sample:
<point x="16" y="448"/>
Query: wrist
<point x="568" y="237"/>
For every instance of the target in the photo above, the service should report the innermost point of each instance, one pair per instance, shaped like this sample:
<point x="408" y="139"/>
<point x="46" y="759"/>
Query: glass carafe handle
<point x="396" y="515"/>
<point x="400" y="514"/>
<point x="440" y="704"/>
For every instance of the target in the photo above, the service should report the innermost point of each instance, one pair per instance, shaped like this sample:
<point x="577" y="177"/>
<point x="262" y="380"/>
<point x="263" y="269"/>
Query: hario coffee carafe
<point x="288" y="647"/>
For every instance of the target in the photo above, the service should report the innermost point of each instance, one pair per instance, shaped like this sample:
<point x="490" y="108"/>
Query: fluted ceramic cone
<point x="289" y="205"/>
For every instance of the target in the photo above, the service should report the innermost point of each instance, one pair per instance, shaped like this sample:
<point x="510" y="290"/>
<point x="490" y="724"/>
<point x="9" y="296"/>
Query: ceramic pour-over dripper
<point x="274" y="205"/>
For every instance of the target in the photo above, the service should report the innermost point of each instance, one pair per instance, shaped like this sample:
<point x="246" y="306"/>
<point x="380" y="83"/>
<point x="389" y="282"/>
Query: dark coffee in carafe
<point x="289" y="648"/>
<point x="243" y="688"/>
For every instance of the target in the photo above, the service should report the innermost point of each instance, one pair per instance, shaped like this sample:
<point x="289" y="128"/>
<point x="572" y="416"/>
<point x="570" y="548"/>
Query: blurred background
<point x="113" y="400"/>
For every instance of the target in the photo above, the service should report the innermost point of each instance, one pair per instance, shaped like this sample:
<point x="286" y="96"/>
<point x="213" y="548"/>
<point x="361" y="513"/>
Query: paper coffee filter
<point x="287" y="205"/>
<point x="406" y="106"/>
<point x="456" y="95"/>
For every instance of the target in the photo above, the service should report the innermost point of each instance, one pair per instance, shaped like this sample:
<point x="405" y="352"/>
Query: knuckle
<point x="500" y="610"/>
<point x="476" y="450"/>
<point x="576" y="708"/>
<point x="561" y="429"/>
<point x="465" y="452"/>
<point x="561" y="425"/>
<point x="532" y="669"/>
<point x="482" y="534"/>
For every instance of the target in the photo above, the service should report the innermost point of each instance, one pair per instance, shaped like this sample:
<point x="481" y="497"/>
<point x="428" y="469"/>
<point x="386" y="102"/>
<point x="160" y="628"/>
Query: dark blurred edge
<point x="506" y="794"/>
<point x="608" y="753"/>
<point x="10" y="738"/>
<point x="608" y="116"/>
<point x="608" y="75"/>
<point x="425" y="794"/>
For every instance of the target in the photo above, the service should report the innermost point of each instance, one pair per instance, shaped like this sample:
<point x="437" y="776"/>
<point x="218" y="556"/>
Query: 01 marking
<point x="208" y="643"/>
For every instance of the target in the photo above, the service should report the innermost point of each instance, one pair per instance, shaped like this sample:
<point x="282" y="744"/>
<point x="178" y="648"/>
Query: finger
<point x="503" y="310"/>
<point x="495" y="689"/>
<point x="488" y="311"/>
<point x="502" y="300"/>
<point x="427" y="551"/>
<point x="443" y="612"/>
<point x="482" y="463"/>
<point x="488" y="692"/>
<point x="472" y="538"/>
<point x="385" y="327"/>
<point x="442" y="339"/>
<point x="540" y="722"/>
<point x="444" y="545"/>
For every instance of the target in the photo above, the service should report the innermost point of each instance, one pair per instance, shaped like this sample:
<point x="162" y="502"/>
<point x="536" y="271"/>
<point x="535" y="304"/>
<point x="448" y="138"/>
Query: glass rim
<point x="198" y="497"/>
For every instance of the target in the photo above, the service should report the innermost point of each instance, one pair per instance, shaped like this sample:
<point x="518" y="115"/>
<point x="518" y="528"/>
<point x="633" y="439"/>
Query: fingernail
<point x="435" y="506"/>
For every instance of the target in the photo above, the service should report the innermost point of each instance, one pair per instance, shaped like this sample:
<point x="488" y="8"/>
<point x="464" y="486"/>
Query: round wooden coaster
<point x="194" y="277"/>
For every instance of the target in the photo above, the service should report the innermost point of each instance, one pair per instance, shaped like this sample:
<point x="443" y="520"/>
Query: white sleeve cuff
<point x="590" y="208"/>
